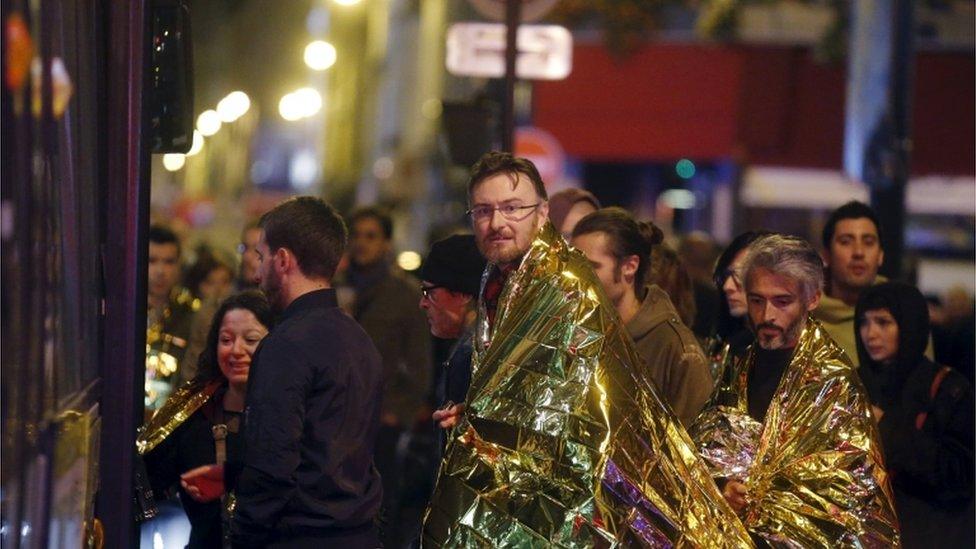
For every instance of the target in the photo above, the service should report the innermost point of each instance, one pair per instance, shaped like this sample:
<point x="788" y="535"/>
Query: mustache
<point x="769" y="325"/>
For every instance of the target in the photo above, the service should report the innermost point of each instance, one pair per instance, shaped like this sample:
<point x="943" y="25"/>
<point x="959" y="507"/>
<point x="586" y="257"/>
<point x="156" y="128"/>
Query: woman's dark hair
<point x="671" y="275"/>
<point x="249" y="300"/>
<point x="910" y="310"/>
<point x="626" y="237"/>
<point x="726" y="325"/>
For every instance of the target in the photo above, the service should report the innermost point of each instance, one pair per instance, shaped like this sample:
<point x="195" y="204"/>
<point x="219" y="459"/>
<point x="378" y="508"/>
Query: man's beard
<point x="780" y="340"/>
<point x="271" y="286"/>
<point x="502" y="255"/>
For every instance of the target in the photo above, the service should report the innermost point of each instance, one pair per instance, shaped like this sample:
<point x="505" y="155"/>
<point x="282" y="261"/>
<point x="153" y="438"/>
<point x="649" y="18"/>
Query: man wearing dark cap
<point x="451" y="279"/>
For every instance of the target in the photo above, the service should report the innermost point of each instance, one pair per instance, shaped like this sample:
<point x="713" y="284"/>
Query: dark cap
<point x="455" y="263"/>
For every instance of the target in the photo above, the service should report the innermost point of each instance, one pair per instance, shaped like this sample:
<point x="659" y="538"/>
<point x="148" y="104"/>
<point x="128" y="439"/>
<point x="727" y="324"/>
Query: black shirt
<point x="764" y="378"/>
<point x="311" y="417"/>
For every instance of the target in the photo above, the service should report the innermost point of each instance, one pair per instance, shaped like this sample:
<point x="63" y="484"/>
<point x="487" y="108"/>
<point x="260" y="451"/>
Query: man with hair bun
<point x="619" y="249"/>
<point x="789" y="435"/>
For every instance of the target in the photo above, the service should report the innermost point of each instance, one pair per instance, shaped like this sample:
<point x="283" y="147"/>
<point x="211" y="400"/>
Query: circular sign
<point x="532" y="10"/>
<point x="544" y="150"/>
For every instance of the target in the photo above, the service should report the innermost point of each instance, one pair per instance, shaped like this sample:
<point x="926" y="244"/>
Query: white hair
<point x="788" y="256"/>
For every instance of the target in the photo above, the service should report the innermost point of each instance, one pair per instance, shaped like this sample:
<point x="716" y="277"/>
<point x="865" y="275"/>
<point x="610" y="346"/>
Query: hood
<point x="911" y="312"/>
<point x="655" y="309"/>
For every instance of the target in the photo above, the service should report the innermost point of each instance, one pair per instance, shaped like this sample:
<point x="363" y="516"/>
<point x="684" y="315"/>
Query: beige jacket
<point x="672" y="355"/>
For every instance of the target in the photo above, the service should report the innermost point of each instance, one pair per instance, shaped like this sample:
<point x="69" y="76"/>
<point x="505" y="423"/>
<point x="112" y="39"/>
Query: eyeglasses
<point x="736" y="275"/>
<point x="508" y="211"/>
<point x="428" y="291"/>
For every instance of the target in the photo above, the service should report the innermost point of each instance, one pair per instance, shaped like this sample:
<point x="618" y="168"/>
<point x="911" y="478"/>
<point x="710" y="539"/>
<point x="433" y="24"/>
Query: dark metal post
<point x="878" y="123"/>
<point x="513" y="13"/>
<point x="888" y="192"/>
<point x="126" y="154"/>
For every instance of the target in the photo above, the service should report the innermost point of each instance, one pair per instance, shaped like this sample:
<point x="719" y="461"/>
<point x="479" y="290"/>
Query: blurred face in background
<point x="855" y="254"/>
<point x="777" y="311"/>
<point x="367" y="243"/>
<point x="249" y="255"/>
<point x="735" y="293"/>
<point x="164" y="269"/>
<point x="446" y="310"/>
<point x="506" y="215"/>
<point x="578" y="211"/>
<point x="879" y="334"/>
<point x="240" y="333"/>
<point x="217" y="285"/>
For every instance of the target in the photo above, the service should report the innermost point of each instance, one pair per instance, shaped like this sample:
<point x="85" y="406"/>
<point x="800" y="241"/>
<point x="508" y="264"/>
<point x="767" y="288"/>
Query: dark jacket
<point x="189" y="446"/>
<point x="928" y="440"/>
<point x="310" y="423"/>
<point x="671" y="354"/>
<point x="387" y="309"/>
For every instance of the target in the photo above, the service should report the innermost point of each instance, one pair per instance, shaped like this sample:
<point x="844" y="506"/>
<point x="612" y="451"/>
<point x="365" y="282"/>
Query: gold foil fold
<point x="814" y="468"/>
<point x="177" y="408"/>
<point x="565" y="441"/>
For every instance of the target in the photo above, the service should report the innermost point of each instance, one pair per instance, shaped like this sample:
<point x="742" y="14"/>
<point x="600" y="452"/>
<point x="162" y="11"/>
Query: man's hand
<point x="878" y="413"/>
<point x="448" y="416"/>
<point x="735" y="494"/>
<point x="205" y="483"/>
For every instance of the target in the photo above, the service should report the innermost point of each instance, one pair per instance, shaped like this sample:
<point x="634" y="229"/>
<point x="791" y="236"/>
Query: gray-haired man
<point x="789" y="437"/>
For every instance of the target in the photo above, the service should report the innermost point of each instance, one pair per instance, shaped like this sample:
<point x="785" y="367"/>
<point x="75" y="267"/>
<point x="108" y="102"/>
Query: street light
<point x="233" y="106"/>
<point x="320" y="55"/>
<point x="197" y="144"/>
<point x="208" y="122"/>
<point x="301" y="103"/>
<point x="174" y="161"/>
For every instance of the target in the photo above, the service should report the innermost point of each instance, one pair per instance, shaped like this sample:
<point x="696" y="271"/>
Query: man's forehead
<point x="510" y="186"/>
<point x="765" y="283"/>
<point x="855" y="226"/>
<point x="163" y="248"/>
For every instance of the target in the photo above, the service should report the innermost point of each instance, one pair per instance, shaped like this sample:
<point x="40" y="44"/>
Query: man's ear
<point x="544" y="211"/>
<point x="815" y="301"/>
<point x="283" y="260"/>
<point x="825" y="257"/>
<point x="629" y="265"/>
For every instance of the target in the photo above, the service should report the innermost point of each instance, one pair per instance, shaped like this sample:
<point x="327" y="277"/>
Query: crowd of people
<point x="562" y="376"/>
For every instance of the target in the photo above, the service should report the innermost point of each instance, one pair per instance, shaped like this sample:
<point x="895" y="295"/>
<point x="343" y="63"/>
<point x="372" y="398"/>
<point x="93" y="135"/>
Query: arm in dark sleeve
<point x="272" y="436"/>
<point x="417" y="348"/>
<point x="937" y="461"/>
<point x="161" y="465"/>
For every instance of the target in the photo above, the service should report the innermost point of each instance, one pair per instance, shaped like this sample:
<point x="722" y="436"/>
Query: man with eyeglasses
<point x="562" y="439"/>
<point x="250" y="262"/>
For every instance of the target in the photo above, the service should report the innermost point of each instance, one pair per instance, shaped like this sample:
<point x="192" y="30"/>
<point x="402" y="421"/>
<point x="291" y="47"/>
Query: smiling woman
<point x="199" y="423"/>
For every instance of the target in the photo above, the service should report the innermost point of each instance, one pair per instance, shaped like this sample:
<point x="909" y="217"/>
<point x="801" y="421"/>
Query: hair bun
<point x="652" y="234"/>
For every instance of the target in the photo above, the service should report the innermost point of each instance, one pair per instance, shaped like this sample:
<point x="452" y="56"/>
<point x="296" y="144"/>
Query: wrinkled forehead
<point x="503" y="187"/>
<point x="766" y="283"/>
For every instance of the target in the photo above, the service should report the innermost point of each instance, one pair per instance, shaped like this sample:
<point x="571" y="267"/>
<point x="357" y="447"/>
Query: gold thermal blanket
<point x="565" y="442"/>
<point x="814" y="468"/>
<point x="177" y="408"/>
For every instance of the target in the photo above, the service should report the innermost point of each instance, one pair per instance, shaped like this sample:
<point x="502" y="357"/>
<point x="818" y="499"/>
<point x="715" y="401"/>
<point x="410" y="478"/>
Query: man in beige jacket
<point x="618" y="247"/>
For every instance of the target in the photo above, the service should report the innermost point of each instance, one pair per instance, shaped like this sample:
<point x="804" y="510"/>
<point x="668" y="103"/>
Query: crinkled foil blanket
<point x="814" y="468"/>
<point x="565" y="442"/>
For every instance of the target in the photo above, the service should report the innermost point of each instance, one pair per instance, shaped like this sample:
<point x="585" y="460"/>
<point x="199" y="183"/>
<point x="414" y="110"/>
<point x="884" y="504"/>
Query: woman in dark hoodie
<point x="925" y="416"/>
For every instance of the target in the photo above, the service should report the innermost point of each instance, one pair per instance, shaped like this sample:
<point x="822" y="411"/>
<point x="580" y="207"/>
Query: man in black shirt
<point x="312" y="408"/>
